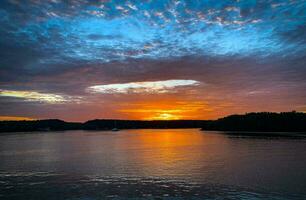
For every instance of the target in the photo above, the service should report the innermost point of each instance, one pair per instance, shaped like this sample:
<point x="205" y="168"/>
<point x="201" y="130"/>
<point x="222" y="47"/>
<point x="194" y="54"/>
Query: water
<point x="150" y="164"/>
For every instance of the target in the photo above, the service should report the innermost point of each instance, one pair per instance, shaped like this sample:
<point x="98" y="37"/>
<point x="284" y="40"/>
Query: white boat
<point x="115" y="125"/>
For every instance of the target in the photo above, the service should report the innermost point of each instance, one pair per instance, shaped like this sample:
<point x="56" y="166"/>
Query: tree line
<point x="263" y="121"/>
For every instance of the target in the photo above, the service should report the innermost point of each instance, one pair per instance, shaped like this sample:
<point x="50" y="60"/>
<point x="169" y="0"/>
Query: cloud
<point x="166" y="86"/>
<point x="183" y="29"/>
<point x="79" y="50"/>
<point x="35" y="96"/>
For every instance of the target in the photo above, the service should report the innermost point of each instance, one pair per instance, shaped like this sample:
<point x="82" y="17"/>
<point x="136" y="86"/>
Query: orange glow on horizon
<point x="15" y="118"/>
<point x="165" y="110"/>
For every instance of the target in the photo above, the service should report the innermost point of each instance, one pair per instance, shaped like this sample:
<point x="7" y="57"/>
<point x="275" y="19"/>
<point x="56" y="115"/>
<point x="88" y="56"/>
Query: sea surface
<point x="150" y="164"/>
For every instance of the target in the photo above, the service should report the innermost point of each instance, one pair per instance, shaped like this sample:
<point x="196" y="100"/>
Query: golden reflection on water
<point x="179" y="153"/>
<point x="170" y="152"/>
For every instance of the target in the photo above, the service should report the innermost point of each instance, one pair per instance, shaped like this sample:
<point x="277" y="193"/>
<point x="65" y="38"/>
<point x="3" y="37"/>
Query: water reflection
<point x="176" y="163"/>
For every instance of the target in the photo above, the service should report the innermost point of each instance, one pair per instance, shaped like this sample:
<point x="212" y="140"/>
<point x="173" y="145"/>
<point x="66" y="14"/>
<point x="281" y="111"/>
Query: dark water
<point x="150" y="164"/>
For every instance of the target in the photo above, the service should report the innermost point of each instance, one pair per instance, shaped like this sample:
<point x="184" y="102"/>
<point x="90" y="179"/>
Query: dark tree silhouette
<point x="39" y="125"/>
<point x="264" y="121"/>
<point x="257" y="122"/>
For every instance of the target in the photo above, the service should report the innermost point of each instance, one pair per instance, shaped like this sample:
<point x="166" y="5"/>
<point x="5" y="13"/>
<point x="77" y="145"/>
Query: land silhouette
<point x="236" y="124"/>
<point x="264" y="121"/>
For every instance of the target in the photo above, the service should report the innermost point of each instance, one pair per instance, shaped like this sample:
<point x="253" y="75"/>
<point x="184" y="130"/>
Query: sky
<point x="151" y="59"/>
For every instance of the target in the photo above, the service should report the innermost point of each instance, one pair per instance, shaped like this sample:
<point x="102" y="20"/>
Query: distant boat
<point x="115" y="125"/>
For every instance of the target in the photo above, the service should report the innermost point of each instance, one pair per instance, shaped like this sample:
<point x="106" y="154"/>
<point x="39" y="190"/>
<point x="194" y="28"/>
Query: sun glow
<point x="165" y="110"/>
<point x="165" y="116"/>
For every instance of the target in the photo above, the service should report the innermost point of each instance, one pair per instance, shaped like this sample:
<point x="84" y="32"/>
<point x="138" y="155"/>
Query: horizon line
<point x="119" y="119"/>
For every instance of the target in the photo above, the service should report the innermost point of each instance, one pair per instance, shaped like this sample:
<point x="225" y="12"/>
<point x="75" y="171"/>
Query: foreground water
<point x="150" y="164"/>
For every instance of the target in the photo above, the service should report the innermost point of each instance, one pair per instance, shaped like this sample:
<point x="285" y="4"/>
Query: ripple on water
<point x="60" y="186"/>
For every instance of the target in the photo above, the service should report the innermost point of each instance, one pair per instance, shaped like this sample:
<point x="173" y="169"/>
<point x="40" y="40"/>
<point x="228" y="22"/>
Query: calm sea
<point x="150" y="164"/>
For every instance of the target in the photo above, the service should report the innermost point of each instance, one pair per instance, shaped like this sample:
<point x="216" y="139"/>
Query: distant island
<point x="250" y="122"/>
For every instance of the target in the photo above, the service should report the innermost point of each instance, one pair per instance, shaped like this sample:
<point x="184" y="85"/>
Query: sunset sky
<point x="151" y="59"/>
